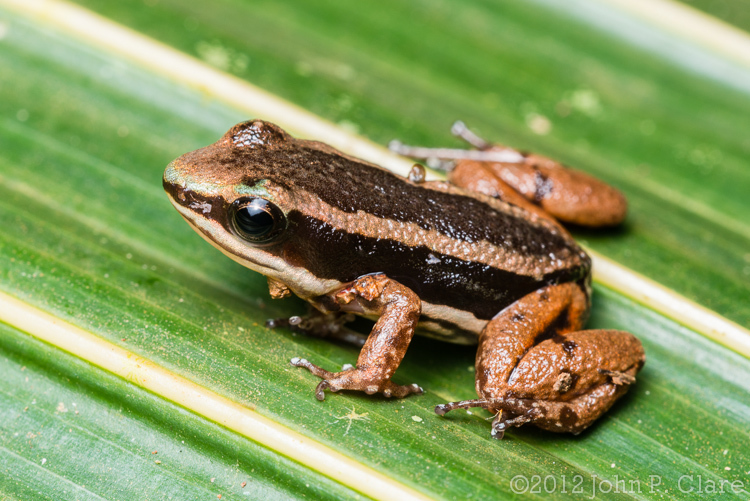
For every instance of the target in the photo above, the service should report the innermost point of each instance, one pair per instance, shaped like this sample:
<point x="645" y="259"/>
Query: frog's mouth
<point x="215" y="234"/>
<point x="299" y="280"/>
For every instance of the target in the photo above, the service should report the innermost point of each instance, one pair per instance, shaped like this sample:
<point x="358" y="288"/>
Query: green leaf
<point x="89" y="237"/>
<point x="72" y="431"/>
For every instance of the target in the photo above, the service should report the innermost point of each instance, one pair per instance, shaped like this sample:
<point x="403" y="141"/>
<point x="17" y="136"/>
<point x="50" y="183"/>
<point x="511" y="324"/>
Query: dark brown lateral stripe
<point x="353" y="186"/>
<point x="480" y="289"/>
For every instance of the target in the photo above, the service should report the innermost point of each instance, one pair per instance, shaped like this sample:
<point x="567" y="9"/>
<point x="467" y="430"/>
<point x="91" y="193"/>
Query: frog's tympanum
<point x="481" y="259"/>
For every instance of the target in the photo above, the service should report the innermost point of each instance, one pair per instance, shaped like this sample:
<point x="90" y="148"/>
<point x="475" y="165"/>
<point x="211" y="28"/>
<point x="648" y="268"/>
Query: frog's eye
<point x="257" y="220"/>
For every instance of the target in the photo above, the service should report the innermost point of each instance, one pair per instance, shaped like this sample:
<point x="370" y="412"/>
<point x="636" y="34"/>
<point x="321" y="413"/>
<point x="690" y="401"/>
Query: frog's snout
<point x="178" y="175"/>
<point x="174" y="181"/>
<point x="171" y="174"/>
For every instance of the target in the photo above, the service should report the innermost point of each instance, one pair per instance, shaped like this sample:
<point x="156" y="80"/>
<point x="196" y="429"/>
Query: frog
<point x="481" y="258"/>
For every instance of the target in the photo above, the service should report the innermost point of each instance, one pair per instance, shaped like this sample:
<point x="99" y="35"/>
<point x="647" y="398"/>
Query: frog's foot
<point x="503" y="419"/>
<point x="321" y="325"/>
<point x="443" y="409"/>
<point x="398" y="309"/>
<point x="446" y="158"/>
<point x="572" y="416"/>
<point x="354" y="379"/>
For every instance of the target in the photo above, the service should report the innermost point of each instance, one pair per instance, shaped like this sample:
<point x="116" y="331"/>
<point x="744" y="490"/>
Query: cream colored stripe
<point x="670" y="304"/>
<point x="411" y="234"/>
<point x="204" y="402"/>
<point x="691" y="24"/>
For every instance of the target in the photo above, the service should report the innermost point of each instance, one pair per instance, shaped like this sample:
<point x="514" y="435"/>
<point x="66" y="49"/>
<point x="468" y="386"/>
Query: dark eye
<point x="257" y="220"/>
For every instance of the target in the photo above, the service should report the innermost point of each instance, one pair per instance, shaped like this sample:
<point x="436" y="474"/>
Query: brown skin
<point x="480" y="177"/>
<point x="545" y="187"/>
<point x="493" y="263"/>
<point x="535" y="366"/>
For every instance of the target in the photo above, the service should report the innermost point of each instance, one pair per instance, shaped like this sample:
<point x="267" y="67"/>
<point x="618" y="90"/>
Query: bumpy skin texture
<point x="491" y="264"/>
<point x="535" y="365"/>
<point x="566" y="194"/>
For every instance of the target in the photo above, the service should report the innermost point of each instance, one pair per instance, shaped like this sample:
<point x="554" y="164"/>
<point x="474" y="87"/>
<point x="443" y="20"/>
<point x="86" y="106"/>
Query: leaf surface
<point x="89" y="236"/>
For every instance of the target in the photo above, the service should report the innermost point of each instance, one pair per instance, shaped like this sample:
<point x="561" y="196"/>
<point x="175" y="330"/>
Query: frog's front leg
<point x="535" y="366"/>
<point x="399" y="309"/>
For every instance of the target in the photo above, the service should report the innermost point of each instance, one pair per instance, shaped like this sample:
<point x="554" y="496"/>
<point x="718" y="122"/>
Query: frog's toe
<point x="359" y="380"/>
<point x="318" y="371"/>
<point x="319" y="390"/>
<point x="572" y="416"/>
<point x="401" y="391"/>
<point x="505" y="420"/>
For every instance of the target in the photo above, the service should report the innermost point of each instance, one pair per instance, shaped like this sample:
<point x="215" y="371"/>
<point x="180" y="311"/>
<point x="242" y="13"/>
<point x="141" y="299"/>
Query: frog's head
<point x="235" y="193"/>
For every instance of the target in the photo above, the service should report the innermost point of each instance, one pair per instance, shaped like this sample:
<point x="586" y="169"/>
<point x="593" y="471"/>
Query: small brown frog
<point x="481" y="259"/>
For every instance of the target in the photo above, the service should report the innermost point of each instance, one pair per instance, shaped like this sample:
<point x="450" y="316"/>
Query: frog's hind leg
<point x="568" y="195"/>
<point x="535" y="366"/>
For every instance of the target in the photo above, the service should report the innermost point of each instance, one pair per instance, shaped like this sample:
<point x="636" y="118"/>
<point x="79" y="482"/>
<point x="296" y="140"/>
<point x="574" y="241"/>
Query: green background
<point x="89" y="236"/>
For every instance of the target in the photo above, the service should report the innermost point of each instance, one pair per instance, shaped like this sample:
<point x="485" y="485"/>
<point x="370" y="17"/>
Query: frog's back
<point x="467" y="256"/>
